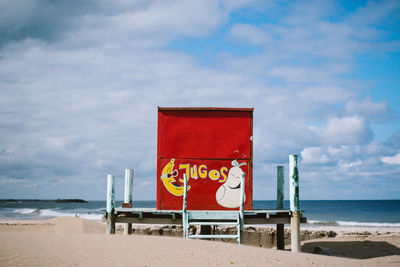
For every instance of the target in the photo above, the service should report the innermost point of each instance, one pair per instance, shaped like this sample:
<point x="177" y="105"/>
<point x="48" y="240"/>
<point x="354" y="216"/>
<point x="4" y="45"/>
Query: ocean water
<point x="366" y="213"/>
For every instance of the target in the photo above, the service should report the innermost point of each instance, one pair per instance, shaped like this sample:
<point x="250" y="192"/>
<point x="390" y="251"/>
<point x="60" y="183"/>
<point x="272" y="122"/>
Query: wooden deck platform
<point x="154" y="216"/>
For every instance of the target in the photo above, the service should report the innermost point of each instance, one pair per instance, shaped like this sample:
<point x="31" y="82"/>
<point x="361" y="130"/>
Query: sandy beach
<point x="70" y="241"/>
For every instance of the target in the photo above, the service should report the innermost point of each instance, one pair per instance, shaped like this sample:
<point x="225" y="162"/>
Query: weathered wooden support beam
<point x="280" y="228"/>
<point x="123" y="219"/>
<point x="128" y="197"/>
<point x="294" y="204"/>
<point x="110" y="204"/>
<point x="271" y="220"/>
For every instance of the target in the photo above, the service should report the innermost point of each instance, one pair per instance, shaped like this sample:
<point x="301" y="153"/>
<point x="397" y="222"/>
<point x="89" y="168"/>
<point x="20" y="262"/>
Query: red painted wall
<point x="213" y="146"/>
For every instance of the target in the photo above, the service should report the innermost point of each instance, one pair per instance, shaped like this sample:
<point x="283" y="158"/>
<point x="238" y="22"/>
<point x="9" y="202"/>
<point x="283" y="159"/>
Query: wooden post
<point x="128" y="197"/>
<point x="280" y="228"/>
<point x="110" y="204"/>
<point x="294" y="204"/>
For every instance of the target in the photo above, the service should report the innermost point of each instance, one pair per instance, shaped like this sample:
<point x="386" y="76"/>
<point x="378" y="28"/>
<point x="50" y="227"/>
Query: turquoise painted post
<point x="128" y="197"/>
<point x="280" y="228"/>
<point x="294" y="203"/>
<point x="280" y="188"/>
<point x="184" y="209"/>
<point x="110" y="205"/>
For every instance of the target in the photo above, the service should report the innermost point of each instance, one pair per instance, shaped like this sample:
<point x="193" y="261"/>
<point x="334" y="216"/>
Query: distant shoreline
<point x="68" y="200"/>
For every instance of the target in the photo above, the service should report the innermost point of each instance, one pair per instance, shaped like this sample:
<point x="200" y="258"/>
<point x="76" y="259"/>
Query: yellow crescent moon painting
<point x="168" y="178"/>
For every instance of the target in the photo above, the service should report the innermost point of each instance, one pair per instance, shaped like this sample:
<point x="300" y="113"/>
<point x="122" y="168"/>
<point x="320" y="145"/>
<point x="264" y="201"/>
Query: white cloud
<point x="366" y="107"/>
<point x="12" y="181"/>
<point x="314" y="155"/>
<point x="345" y="131"/>
<point x="375" y="11"/>
<point x="31" y="185"/>
<point x="171" y="18"/>
<point x="343" y="155"/>
<point x="294" y="74"/>
<point x="249" y="33"/>
<point x="147" y="183"/>
<point x="346" y="166"/>
<point x="392" y="160"/>
<point x="326" y="94"/>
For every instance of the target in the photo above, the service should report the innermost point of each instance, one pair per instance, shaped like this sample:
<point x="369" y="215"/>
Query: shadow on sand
<point x="352" y="249"/>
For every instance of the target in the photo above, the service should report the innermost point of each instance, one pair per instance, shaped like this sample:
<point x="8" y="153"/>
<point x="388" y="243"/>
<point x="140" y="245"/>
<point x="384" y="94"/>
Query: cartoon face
<point x="168" y="175"/>
<point x="171" y="175"/>
<point x="234" y="178"/>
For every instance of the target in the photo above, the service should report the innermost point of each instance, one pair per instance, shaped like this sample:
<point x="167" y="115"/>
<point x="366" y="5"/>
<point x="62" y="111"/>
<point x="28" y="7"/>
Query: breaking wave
<point x="350" y="223"/>
<point x="27" y="213"/>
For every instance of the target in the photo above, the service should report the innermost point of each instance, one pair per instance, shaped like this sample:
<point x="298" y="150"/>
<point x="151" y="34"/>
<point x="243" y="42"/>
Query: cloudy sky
<point x="80" y="82"/>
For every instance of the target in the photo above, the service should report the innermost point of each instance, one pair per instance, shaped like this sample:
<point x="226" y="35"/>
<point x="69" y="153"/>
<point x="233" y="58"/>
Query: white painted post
<point x="280" y="228"/>
<point x="294" y="203"/>
<point x="241" y="212"/>
<point x="110" y="205"/>
<point x="128" y="197"/>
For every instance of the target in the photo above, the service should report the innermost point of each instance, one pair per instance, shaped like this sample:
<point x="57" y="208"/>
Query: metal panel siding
<point x="217" y="142"/>
<point x="204" y="134"/>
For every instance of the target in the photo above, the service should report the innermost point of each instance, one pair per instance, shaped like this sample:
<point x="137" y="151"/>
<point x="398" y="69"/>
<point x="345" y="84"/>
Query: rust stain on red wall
<point x="213" y="146"/>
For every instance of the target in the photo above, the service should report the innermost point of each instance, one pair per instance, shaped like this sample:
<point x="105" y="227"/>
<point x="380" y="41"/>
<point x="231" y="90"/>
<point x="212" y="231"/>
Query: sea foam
<point x="55" y="213"/>
<point x="26" y="211"/>
<point x="355" y="224"/>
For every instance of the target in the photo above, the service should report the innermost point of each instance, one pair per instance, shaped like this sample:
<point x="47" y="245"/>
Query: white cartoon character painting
<point x="228" y="195"/>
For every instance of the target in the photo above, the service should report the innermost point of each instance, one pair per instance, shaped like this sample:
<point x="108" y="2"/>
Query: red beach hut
<point x="214" y="148"/>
